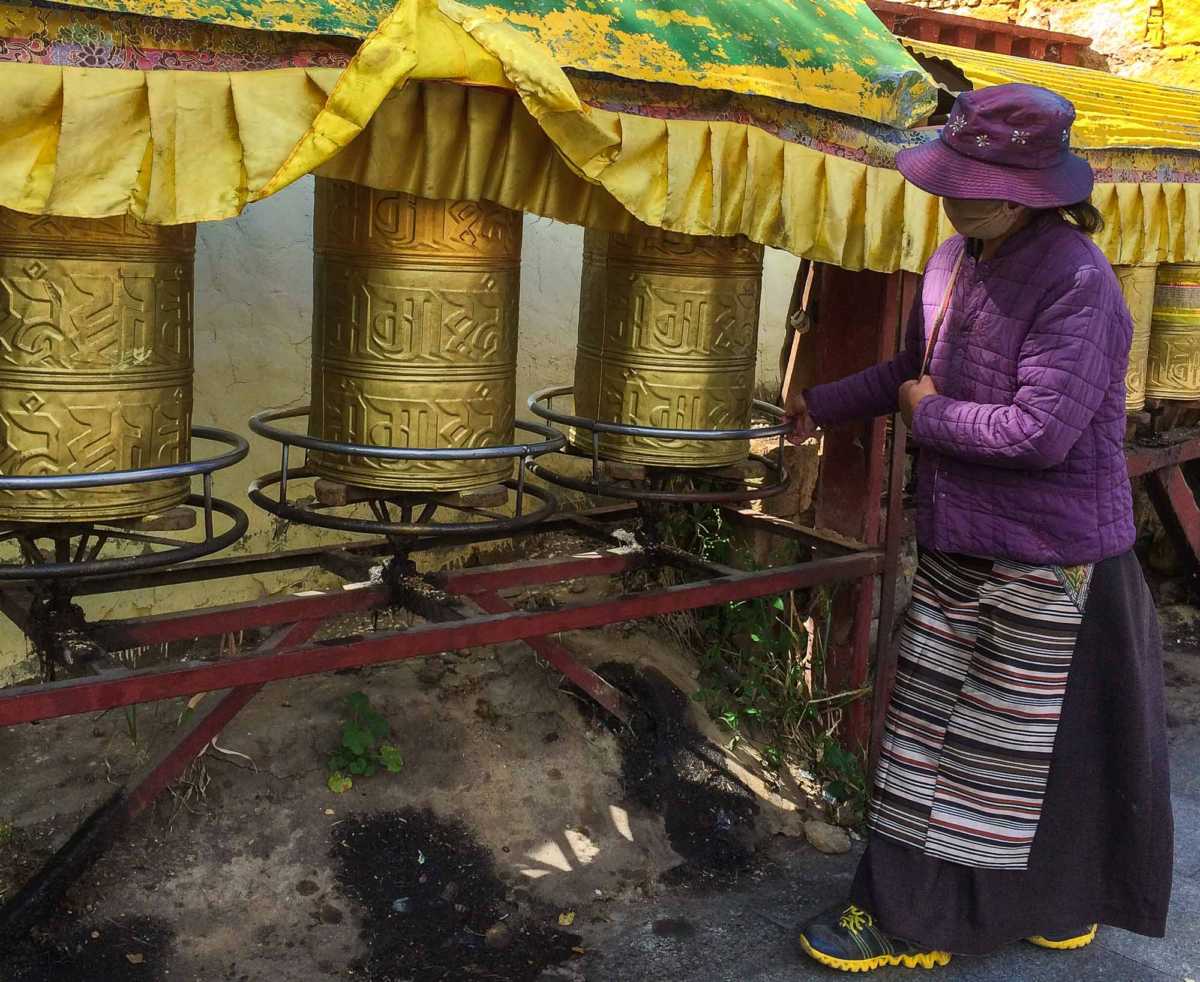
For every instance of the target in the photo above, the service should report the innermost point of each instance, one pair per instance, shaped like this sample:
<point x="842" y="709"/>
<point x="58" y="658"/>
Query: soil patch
<point x="668" y="766"/>
<point x="124" y="950"/>
<point x="433" y="907"/>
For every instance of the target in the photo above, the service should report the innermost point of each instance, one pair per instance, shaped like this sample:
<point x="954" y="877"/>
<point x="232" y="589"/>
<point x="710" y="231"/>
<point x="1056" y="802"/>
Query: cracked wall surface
<point x="253" y="320"/>
<point x="1157" y="40"/>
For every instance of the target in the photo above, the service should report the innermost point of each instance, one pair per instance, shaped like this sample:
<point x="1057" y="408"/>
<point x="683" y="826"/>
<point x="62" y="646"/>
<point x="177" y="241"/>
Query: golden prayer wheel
<point x="1137" y="283"/>
<point x="1173" y="368"/>
<point x="95" y="361"/>
<point x="414" y="335"/>
<point x="668" y="334"/>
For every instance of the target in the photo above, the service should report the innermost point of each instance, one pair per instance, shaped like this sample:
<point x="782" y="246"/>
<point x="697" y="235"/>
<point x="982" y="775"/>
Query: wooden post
<point x="858" y="323"/>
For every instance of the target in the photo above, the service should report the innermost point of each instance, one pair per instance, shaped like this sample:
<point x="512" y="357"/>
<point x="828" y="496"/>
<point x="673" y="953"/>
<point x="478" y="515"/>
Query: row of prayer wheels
<point x="414" y="345"/>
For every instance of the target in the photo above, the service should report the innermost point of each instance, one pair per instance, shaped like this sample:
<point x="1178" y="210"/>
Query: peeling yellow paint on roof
<point x="1111" y="111"/>
<point x="664" y="17"/>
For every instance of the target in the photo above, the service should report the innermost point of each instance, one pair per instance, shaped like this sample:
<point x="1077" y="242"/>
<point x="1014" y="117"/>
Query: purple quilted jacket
<point x="1020" y="453"/>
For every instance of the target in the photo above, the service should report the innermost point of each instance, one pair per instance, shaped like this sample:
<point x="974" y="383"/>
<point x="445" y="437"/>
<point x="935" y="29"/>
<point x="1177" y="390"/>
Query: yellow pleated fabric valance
<point x="445" y="101"/>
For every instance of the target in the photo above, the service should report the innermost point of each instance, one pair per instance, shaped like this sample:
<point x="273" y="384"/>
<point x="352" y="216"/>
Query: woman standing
<point x="1022" y="788"/>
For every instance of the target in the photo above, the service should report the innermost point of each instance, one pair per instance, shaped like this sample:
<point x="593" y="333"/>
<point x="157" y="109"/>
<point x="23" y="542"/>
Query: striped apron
<point x="985" y="652"/>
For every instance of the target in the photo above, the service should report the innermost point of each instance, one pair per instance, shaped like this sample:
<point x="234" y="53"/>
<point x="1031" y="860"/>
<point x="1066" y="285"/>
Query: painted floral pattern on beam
<point x="50" y="34"/>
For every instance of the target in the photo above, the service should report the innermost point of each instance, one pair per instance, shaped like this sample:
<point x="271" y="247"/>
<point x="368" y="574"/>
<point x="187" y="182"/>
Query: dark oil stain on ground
<point x="131" y="949"/>
<point x="433" y="907"/>
<point x="669" y="767"/>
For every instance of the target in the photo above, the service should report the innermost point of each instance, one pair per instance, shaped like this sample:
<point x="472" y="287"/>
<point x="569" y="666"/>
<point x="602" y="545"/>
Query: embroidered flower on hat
<point x="1066" y="135"/>
<point x="1020" y="136"/>
<point x="956" y="124"/>
<point x="983" y="140"/>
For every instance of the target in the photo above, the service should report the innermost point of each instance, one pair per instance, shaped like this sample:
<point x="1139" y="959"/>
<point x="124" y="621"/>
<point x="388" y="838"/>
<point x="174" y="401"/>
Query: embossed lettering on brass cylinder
<point x="1137" y="283"/>
<point x="95" y="361"/>
<point x="414" y="334"/>
<point x="1173" y="370"/>
<point x="668" y="333"/>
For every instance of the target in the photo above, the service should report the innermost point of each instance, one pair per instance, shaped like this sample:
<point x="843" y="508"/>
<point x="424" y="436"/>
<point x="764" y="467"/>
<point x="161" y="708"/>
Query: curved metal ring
<point x="308" y="516"/>
<point x="659" y="432"/>
<point x="141" y="475"/>
<point x="185" y="552"/>
<point x="261" y="424"/>
<point x="612" y="489"/>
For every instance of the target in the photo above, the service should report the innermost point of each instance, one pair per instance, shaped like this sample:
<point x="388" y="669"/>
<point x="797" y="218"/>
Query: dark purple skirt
<point x="1103" y="848"/>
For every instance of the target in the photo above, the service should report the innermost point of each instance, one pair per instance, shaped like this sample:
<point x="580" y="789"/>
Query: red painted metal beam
<point x="562" y="659"/>
<point x="1175" y="503"/>
<point x="207" y="622"/>
<point x="272" y="612"/>
<point x="1141" y="460"/>
<point x="538" y="572"/>
<point x="172" y="765"/>
<point x="80" y="696"/>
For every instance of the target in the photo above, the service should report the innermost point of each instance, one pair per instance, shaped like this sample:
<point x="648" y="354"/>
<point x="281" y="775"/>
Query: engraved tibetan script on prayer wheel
<point x="668" y="334"/>
<point x="414" y="335"/>
<point x="1173" y="371"/>
<point x="1137" y="283"/>
<point x="95" y="361"/>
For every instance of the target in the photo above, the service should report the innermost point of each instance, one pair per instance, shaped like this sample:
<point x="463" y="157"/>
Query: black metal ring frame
<point x="84" y="561"/>
<point x="382" y="524"/>
<point x="636" y="491"/>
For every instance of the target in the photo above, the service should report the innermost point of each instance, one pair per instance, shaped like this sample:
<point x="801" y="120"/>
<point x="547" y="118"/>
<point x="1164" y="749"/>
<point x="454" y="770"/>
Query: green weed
<point x="762" y="668"/>
<point x="363" y="749"/>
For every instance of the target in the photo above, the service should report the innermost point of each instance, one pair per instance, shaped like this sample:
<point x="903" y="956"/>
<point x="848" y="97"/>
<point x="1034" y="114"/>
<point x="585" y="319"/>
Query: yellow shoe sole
<point x="1070" y="944"/>
<point x="924" y="959"/>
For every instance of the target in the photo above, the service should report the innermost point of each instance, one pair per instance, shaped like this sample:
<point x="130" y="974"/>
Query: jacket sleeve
<point x="1063" y="371"/>
<point x="874" y="391"/>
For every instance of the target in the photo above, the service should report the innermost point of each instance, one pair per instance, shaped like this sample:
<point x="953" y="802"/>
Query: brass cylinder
<point x="668" y="334"/>
<point x="1137" y="283"/>
<point x="414" y="334"/>
<point x="95" y="361"/>
<point x="1173" y="368"/>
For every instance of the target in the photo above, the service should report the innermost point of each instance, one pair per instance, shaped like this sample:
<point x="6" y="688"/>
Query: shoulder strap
<point x="941" y="313"/>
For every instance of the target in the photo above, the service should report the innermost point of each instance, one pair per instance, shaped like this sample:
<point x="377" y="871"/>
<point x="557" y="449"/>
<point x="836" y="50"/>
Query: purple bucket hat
<point x="1008" y="142"/>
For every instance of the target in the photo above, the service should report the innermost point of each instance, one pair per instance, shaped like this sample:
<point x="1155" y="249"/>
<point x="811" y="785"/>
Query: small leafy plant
<point x="763" y="668"/>
<point x="363" y="749"/>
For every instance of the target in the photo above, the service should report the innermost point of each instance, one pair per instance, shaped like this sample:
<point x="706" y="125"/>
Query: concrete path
<point x="747" y="935"/>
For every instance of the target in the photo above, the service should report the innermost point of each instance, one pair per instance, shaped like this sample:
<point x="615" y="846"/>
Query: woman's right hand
<point x="796" y="413"/>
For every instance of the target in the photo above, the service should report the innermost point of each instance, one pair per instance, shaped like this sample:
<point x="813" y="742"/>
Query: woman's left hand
<point x="911" y="394"/>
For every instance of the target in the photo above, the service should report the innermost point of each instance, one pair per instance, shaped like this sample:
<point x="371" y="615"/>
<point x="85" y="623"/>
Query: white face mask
<point x="983" y="219"/>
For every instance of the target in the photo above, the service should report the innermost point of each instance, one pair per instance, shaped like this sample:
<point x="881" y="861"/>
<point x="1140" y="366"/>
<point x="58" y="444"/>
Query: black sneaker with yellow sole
<point x="1068" y="941"/>
<point x="846" y="938"/>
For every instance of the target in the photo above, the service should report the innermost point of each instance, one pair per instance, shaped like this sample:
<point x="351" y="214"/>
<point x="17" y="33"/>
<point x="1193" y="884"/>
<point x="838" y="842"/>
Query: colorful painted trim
<point x="833" y="133"/>
<point x="50" y="34"/>
<point x="834" y="54"/>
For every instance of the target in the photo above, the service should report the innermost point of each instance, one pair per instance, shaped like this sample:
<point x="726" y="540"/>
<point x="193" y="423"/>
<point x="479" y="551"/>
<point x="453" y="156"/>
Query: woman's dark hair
<point x="1085" y="216"/>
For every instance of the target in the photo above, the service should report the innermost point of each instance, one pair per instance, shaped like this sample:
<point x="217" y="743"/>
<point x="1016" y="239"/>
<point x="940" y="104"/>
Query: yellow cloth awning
<point x="445" y="101"/>
<point x="1112" y="111"/>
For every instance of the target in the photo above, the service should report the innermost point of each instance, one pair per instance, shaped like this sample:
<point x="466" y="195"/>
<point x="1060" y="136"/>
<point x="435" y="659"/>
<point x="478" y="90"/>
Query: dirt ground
<point x="521" y="821"/>
<point x="523" y="840"/>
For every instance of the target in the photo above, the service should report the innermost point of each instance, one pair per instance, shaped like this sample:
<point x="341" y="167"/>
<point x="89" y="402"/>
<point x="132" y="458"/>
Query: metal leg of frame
<point x="34" y="901"/>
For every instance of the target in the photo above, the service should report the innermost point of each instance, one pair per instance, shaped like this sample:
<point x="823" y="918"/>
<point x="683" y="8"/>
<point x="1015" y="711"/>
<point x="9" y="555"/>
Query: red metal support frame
<point x="558" y="656"/>
<point x="74" y="696"/>
<point x="1175" y="503"/>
